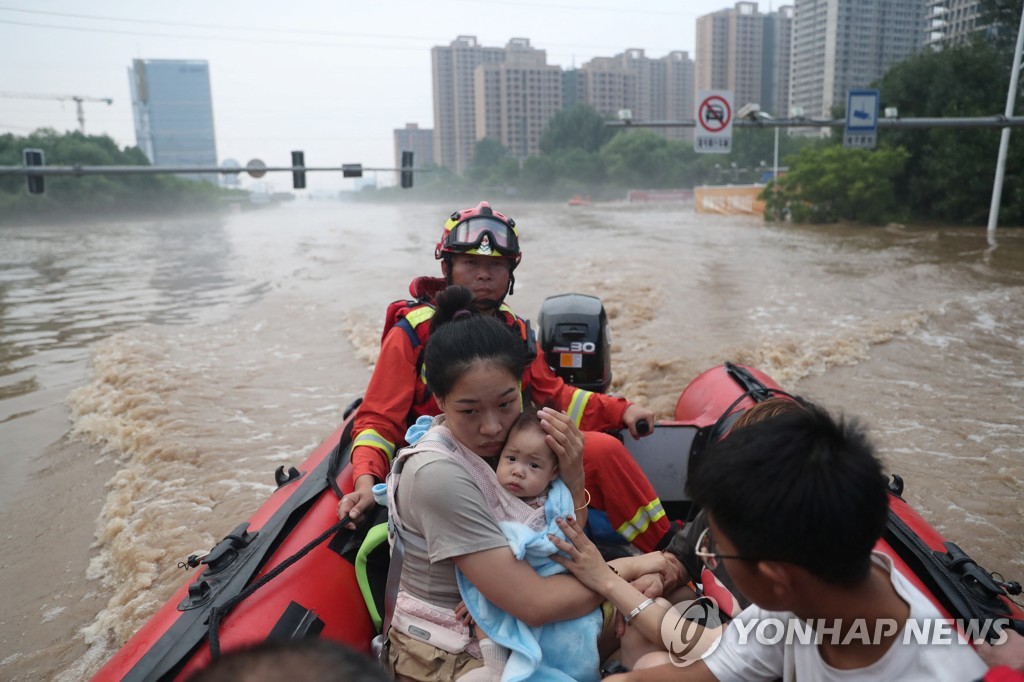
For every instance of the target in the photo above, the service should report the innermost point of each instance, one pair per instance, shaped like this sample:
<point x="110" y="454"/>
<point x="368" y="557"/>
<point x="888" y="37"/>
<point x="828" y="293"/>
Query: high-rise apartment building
<point x="952" y="21"/>
<point x="454" y="74"/>
<point x="651" y="89"/>
<point x="776" y="62"/>
<point x="844" y="44"/>
<point x="173" y="112"/>
<point x="748" y="53"/>
<point x="419" y="141"/>
<point x="516" y="98"/>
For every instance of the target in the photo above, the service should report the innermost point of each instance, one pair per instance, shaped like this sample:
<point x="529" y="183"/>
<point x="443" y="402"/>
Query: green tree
<point x="1003" y="18"/>
<point x="93" y="194"/>
<point x="579" y="127"/>
<point x="488" y="154"/>
<point x="949" y="174"/>
<point x="539" y="176"/>
<point x="492" y="167"/>
<point x="831" y="183"/>
<point x="642" y="158"/>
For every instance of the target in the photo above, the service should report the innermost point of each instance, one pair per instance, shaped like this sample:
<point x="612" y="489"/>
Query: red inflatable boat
<point x="291" y="571"/>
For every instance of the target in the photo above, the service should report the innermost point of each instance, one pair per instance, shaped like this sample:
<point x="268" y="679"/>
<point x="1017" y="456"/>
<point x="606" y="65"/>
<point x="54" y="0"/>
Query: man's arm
<point x="590" y="411"/>
<point x="379" y="426"/>
<point x="697" y="672"/>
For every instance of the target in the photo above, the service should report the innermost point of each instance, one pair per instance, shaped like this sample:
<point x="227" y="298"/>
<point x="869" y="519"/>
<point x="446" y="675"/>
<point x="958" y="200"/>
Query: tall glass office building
<point x="174" y="113"/>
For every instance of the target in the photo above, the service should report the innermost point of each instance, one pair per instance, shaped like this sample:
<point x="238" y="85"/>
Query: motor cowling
<point x="575" y="340"/>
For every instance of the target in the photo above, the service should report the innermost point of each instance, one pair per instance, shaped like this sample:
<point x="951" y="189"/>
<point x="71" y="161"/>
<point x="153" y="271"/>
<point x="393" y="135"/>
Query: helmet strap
<point x="447" y="260"/>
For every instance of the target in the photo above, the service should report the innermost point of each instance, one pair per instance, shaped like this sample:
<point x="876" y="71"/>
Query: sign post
<point x="861" y="119"/>
<point x="713" y="134"/>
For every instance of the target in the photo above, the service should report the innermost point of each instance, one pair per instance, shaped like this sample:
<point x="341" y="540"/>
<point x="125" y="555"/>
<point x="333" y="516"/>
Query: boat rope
<point x="220" y="611"/>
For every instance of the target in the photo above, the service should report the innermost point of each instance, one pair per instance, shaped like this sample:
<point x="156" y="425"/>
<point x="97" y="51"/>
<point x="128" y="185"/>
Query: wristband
<point x="636" y="612"/>
<point x="585" y="504"/>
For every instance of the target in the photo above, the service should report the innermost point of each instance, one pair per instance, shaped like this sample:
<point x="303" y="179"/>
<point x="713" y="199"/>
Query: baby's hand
<point x="463" y="614"/>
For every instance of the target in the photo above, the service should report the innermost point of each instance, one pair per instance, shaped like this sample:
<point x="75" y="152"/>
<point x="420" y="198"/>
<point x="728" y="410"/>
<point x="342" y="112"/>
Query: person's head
<point x="767" y="409"/>
<point x="473" y="366"/>
<point x="304" y="660"/>
<point x="795" y="489"/>
<point x="479" y="249"/>
<point x="527" y="465"/>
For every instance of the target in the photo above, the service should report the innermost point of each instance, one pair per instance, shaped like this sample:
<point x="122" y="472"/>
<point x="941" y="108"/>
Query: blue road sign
<point x="862" y="111"/>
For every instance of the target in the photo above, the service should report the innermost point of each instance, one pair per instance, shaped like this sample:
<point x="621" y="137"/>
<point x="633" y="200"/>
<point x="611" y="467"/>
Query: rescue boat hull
<point x="320" y="594"/>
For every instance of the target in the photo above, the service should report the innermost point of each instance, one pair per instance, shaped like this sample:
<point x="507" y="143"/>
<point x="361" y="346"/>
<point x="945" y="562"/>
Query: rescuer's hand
<point x="633" y="416"/>
<point x="356" y="503"/>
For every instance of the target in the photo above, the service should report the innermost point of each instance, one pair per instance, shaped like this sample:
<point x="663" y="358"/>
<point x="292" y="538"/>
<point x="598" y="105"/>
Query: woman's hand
<point x="566" y="441"/>
<point x="357" y="502"/>
<point x="585" y="560"/>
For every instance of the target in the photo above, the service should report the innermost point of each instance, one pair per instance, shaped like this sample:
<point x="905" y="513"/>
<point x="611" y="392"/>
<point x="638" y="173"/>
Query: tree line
<point x="94" y="195"/>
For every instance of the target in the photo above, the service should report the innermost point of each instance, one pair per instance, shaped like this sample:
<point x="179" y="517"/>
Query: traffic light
<point x="351" y="170"/>
<point x="34" y="157"/>
<point x="406" y="170"/>
<point x="298" y="177"/>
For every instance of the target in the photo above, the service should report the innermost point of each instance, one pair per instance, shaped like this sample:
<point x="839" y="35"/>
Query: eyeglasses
<point x="706" y="551"/>
<point x="482" y="235"/>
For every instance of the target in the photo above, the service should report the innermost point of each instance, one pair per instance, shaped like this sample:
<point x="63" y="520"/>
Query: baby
<point x="527" y="465"/>
<point x="526" y="468"/>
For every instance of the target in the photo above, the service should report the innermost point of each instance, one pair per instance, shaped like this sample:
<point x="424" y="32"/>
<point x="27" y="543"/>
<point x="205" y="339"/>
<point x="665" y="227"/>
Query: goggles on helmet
<point x="483" y="236"/>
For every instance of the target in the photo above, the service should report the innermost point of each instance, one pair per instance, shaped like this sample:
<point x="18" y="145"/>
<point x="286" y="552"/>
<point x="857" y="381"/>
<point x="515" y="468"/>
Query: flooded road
<point x="154" y="374"/>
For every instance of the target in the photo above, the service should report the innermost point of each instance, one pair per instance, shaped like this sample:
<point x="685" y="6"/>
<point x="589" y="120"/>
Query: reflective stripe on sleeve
<point x="643" y="518"/>
<point x="374" y="440"/>
<point x="578" y="405"/>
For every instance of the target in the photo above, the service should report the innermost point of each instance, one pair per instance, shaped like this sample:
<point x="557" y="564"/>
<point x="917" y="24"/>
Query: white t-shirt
<point x="910" y="657"/>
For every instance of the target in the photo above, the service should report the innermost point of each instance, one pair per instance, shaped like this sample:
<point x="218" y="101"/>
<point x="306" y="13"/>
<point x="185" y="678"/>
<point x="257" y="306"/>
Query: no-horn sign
<point x="713" y="134"/>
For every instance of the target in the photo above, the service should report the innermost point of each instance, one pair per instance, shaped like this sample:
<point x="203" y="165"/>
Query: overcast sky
<point x="331" y="77"/>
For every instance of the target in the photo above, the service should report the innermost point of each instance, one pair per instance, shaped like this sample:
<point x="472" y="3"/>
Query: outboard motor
<point x="575" y="340"/>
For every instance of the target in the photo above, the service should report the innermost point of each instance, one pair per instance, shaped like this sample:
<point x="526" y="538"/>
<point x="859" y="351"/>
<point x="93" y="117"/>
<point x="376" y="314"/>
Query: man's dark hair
<point x="460" y="337"/>
<point x="304" y="660"/>
<point x="800" y="488"/>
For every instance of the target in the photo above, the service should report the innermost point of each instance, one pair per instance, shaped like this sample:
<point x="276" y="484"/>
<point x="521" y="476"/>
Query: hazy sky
<point x="331" y="77"/>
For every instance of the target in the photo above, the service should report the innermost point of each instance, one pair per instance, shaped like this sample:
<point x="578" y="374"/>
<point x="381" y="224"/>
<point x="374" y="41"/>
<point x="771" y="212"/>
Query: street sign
<point x="713" y="134"/>
<point x="861" y="119"/>
<point x="256" y="168"/>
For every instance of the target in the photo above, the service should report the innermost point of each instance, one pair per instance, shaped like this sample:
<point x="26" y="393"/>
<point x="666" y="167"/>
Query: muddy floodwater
<point x="154" y="374"/>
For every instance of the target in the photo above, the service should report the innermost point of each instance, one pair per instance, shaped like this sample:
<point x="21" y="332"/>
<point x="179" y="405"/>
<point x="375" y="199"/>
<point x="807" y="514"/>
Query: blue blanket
<point x="563" y="650"/>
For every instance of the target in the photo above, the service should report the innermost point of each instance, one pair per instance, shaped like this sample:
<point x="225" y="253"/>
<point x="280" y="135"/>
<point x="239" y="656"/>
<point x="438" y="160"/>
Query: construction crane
<point x="77" y="99"/>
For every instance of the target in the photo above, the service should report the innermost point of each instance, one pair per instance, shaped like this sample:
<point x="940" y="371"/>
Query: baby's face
<point x="527" y="465"/>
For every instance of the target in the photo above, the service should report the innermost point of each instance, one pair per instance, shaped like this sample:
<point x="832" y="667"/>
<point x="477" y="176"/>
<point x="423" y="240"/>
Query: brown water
<point x="190" y="359"/>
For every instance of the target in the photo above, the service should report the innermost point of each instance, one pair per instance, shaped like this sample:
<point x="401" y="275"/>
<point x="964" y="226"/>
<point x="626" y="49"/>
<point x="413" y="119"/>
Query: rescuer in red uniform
<point x="479" y="249"/>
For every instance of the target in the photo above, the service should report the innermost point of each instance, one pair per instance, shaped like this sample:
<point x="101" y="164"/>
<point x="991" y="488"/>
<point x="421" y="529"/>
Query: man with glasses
<point x="795" y="506"/>
<point x="479" y="249"/>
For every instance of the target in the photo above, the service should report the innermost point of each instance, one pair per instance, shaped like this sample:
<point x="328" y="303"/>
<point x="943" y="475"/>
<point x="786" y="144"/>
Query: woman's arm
<point x="698" y="672"/>
<point x="587" y="564"/>
<point x="516" y="588"/>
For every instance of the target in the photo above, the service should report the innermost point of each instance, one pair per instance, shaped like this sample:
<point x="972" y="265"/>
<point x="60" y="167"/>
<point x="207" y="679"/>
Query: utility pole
<point x="1004" y="139"/>
<point x="77" y="99"/>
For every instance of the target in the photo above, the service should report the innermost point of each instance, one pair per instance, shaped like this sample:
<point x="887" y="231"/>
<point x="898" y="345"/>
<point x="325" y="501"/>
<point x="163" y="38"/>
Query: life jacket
<point x="413" y="316"/>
